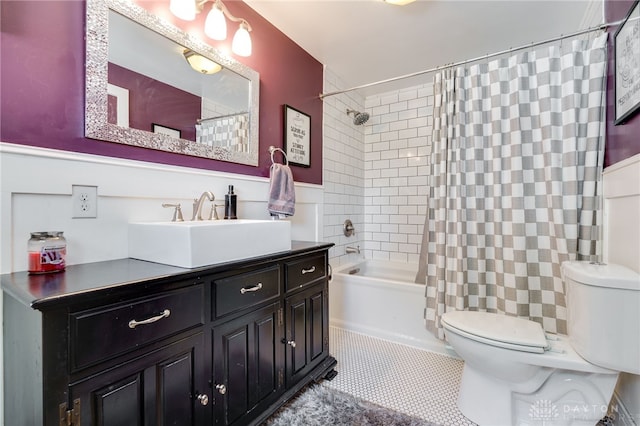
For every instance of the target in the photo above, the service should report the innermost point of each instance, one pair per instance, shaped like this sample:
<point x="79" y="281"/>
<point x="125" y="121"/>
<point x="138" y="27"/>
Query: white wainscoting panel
<point x="36" y="196"/>
<point x="622" y="246"/>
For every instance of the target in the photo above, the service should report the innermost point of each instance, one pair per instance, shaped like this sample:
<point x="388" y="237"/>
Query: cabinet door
<point x="247" y="364"/>
<point x="307" y="331"/>
<point x="163" y="387"/>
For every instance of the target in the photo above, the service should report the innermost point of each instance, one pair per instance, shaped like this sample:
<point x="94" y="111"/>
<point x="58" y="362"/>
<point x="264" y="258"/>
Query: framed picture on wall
<point x="627" y="65"/>
<point x="157" y="128"/>
<point x="117" y="105"/>
<point x="297" y="137"/>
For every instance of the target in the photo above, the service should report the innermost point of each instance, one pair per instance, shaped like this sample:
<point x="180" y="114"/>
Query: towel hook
<point x="272" y="151"/>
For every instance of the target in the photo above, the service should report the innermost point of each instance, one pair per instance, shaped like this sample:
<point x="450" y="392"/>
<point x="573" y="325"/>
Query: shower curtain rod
<point x="200" y="120"/>
<point x="456" y="64"/>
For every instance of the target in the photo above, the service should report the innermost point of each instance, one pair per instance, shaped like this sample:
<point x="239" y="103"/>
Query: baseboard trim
<point x="619" y="413"/>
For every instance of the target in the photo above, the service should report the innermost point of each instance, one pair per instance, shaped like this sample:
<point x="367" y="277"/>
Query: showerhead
<point x="359" y="118"/>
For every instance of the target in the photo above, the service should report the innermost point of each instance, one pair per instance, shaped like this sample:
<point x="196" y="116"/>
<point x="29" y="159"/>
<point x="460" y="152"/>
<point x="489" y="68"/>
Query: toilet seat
<point x="497" y="330"/>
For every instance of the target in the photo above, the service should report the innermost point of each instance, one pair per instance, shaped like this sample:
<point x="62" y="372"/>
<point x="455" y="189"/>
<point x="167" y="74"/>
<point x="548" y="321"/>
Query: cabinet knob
<point x="222" y="389"/>
<point x="203" y="398"/>
<point x="291" y="343"/>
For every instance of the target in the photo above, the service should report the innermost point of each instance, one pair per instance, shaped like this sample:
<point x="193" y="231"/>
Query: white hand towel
<point x="282" y="195"/>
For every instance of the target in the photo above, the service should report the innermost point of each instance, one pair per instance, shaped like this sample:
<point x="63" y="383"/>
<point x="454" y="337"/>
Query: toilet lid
<point x="498" y="330"/>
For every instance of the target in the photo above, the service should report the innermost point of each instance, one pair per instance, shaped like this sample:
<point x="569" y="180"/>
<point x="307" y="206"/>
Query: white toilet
<point x="514" y="374"/>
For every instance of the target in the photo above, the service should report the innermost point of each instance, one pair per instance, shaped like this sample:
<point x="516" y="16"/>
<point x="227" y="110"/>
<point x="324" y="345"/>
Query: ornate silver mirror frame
<point x="96" y="100"/>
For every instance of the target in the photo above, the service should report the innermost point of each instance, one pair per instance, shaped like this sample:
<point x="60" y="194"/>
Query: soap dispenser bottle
<point x="230" y="201"/>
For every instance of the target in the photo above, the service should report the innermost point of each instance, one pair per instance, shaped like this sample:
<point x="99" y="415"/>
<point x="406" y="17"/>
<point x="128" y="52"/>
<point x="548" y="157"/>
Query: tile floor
<point x="413" y="381"/>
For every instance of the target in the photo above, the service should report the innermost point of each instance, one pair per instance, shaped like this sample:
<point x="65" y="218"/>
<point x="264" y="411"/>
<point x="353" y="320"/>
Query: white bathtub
<point x="380" y="299"/>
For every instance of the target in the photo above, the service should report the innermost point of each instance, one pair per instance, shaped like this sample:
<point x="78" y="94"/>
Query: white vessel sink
<point x="194" y="244"/>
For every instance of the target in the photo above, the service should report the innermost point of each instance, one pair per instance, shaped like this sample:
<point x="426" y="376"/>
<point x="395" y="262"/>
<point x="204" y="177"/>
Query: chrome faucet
<point x="353" y="249"/>
<point x="197" y="204"/>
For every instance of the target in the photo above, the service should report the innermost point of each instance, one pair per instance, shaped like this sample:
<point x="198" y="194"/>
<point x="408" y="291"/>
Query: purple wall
<point x="151" y="101"/>
<point x="623" y="141"/>
<point x="42" y="85"/>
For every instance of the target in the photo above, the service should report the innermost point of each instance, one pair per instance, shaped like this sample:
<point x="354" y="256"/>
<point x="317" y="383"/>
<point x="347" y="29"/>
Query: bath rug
<point x="318" y="405"/>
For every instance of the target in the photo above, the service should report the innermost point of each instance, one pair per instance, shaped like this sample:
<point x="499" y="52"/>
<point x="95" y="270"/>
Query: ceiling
<point x="365" y="41"/>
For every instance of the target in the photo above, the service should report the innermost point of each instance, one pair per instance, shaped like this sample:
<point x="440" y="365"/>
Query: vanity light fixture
<point x="215" y="25"/>
<point x="200" y="63"/>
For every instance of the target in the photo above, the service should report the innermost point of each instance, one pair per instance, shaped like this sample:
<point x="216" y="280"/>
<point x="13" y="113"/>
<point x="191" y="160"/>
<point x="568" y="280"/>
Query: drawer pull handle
<point x="222" y="389"/>
<point x="257" y="287"/>
<point x="308" y="271"/>
<point x="292" y="343"/>
<point x="164" y="314"/>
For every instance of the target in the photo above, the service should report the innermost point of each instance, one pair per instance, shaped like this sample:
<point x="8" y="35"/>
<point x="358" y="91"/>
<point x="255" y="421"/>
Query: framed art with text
<point x="626" y="42"/>
<point x="157" y="128"/>
<point x="297" y="137"/>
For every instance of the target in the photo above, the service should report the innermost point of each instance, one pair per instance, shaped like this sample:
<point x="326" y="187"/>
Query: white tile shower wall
<point x="396" y="145"/>
<point x="396" y="155"/>
<point x="214" y="109"/>
<point x="127" y="191"/>
<point x="343" y="174"/>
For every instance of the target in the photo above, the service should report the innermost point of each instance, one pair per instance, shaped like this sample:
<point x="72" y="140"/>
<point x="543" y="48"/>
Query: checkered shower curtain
<point x="516" y="159"/>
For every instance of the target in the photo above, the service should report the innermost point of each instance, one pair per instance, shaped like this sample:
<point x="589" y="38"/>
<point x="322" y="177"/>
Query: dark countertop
<point x="99" y="278"/>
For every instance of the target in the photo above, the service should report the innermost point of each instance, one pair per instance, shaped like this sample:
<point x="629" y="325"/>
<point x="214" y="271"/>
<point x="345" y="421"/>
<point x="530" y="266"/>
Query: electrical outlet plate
<point x="84" y="201"/>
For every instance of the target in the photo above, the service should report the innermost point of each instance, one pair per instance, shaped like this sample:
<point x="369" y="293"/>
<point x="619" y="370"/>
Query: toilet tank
<point x="603" y="314"/>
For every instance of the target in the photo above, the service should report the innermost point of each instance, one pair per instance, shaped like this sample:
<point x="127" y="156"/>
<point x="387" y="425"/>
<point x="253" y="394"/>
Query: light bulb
<point x="183" y="9"/>
<point x="241" y="44"/>
<point x="215" y="26"/>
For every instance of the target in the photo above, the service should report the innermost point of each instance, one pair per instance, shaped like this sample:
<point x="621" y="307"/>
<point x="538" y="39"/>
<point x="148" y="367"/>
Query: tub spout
<point x="353" y="249"/>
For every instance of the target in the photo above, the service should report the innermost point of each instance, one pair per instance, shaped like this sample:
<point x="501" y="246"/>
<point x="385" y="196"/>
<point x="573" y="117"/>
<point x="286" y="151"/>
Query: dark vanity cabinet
<point x="307" y="321"/>
<point x="247" y="353"/>
<point x="128" y="342"/>
<point x="159" y="388"/>
<point x="155" y="386"/>
<point x="248" y="365"/>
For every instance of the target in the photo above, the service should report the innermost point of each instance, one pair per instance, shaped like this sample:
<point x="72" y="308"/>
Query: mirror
<point x="141" y="91"/>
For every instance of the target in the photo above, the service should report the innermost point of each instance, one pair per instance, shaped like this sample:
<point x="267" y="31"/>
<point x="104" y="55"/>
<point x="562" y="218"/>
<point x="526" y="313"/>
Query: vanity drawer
<point x="245" y="290"/>
<point x="103" y="333"/>
<point x="304" y="271"/>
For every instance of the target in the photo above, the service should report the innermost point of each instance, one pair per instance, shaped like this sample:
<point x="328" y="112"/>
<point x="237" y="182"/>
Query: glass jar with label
<point x="47" y="252"/>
